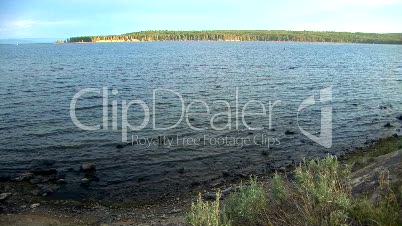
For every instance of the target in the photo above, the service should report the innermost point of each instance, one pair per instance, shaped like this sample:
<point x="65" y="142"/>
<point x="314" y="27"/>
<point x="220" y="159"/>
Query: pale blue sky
<point x="66" y="18"/>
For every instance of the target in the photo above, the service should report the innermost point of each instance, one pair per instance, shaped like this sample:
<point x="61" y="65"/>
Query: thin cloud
<point x="370" y="3"/>
<point x="25" y="28"/>
<point x="30" y="23"/>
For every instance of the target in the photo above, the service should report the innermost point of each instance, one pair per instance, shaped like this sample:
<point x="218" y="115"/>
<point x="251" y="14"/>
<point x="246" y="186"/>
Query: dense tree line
<point x="248" y="35"/>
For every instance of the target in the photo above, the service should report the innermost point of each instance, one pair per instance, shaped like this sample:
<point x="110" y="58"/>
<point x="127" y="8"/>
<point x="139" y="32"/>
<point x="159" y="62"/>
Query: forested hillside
<point x="247" y="35"/>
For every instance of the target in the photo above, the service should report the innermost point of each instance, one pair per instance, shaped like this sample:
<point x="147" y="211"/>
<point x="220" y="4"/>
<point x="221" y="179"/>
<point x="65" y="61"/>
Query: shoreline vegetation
<point x="245" y="35"/>
<point x="361" y="188"/>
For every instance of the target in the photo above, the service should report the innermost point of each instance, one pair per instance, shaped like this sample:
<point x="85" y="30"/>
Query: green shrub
<point x="246" y="206"/>
<point x="278" y="188"/>
<point x="204" y="213"/>
<point x="320" y="195"/>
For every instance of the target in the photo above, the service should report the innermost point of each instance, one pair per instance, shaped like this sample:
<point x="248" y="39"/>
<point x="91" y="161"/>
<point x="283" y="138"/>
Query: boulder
<point x="4" y="196"/>
<point x="365" y="180"/>
<point x="35" y="205"/>
<point x="24" y="177"/>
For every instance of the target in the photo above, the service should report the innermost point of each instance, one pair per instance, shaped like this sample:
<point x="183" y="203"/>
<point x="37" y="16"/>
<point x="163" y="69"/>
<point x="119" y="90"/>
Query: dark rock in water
<point x="61" y="181"/>
<point x="45" y="189"/>
<point x="4" y="196"/>
<point x="291" y="68"/>
<point x="395" y="135"/>
<point x="289" y="132"/>
<point x="217" y="184"/>
<point x="141" y="179"/>
<point x="250" y="133"/>
<point x="119" y="146"/>
<point x="36" y="192"/>
<point x="382" y="107"/>
<point x="387" y="125"/>
<point x="85" y="182"/>
<point x="88" y="167"/>
<point x="5" y="178"/>
<point x="226" y="173"/>
<point x="399" y="117"/>
<point x="61" y="176"/>
<point x="181" y="170"/>
<point x="24" y="177"/>
<point x="227" y="191"/>
<point x="39" y="179"/>
<point x="92" y="177"/>
<point x="53" y="177"/>
<point x="265" y="153"/>
<point x="42" y="163"/>
<point x="42" y="171"/>
<point x="242" y="175"/>
<point x="195" y="184"/>
<point x="209" y="196"/>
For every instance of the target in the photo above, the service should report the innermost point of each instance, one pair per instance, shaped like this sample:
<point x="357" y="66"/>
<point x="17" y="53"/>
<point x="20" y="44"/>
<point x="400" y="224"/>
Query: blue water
<point x="39" y="81"/>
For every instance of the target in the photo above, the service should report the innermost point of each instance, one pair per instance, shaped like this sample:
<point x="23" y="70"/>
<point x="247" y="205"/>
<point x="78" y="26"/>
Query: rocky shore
<point x="28" y="198"/>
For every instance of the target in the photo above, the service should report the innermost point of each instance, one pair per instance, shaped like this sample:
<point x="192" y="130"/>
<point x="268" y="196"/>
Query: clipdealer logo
<point x="240" y="112"/>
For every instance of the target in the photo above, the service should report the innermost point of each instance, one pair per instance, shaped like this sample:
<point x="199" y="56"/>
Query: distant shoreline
<point x="246" y="35"/>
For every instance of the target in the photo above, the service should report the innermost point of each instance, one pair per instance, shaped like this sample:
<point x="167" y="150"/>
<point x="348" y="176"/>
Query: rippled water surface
<point x="38" y="82"/>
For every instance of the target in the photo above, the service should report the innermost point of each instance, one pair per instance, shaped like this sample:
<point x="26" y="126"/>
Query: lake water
<point x="38" y="82"/>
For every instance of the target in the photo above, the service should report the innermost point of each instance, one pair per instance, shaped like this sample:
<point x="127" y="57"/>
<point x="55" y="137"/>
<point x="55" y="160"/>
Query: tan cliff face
<point x="118" y="40"/>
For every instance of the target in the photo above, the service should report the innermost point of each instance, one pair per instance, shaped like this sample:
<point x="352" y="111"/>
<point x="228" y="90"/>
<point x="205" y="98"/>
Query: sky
<point x="67" y="18"/>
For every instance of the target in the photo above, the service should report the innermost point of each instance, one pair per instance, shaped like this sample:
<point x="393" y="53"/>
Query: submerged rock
<point x="226" y="173"/>
<point x="61" y="181"/>
<point x="42" y="163"/>
<point x="399" y="117"/>
<point x="387" y="125"/>
<point x="287" y="132"/>
<point x="5" y="178"/>
<point x="181" y="170"/>
<point x="88" y="167"/>
<point x="41" y="171"/>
